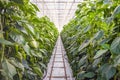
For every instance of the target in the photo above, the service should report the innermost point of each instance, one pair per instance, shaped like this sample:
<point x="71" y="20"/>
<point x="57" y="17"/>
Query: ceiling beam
<point x="57" y="9"/>
<point x="64" y="12"/>
<point x="69" y="10"/>
<point x="55" y="2"/>
<point x="44" y="3"/>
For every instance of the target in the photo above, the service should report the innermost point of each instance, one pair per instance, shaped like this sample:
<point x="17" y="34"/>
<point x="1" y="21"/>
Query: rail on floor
<point x="58" y="67"/>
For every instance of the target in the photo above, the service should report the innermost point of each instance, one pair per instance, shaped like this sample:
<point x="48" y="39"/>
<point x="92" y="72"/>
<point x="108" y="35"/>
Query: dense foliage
<point x="92" y="40"/>
<point x="26" y="41"/>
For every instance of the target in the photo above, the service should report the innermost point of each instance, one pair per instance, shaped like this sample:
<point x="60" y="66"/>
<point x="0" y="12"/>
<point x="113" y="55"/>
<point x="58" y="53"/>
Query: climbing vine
<point x="26" y="41"/>
<point x="92" y="40"/>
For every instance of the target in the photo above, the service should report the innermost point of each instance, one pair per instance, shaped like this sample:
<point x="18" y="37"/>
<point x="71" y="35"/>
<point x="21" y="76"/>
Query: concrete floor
<point x="58" y="67"/>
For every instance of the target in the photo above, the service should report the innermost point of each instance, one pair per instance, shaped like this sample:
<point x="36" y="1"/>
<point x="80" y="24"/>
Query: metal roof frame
<point x="58" y="11"/>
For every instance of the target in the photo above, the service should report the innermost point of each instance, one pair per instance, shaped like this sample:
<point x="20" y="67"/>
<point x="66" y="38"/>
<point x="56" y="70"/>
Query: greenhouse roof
<point x="59" y="11"/>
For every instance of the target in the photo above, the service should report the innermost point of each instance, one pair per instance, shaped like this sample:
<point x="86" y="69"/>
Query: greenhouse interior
<point x="59" y="39"/>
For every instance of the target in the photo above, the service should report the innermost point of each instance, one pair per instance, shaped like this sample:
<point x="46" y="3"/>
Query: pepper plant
<point x="92" y="40"/>
<point x="26" y="41"/>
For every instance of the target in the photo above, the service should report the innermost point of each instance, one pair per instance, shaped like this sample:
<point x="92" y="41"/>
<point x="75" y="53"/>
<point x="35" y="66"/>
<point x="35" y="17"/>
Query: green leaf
<point x="43" y="65"/>
<point x="115" y="46"/>
<point x="100" y="53"/>
<point x="110" y="72"/>
<point x="5" y="42"/>
<point x="26" y="48"/>
<point x="81" y="75"/>
<point x="89" y="74"/>
<point x="96" y="62"/>
<point x="38" y="71"/>
<point x="105" y="46"/>
<point x="84" y="45"/>
<point x="107" y="71"/>
<point x="19" y="25"/>
<point x="30" y="28"/>
<point x="34" y="53"/>
<point x="18" y="1"/>
<point x="36" y="8"/>
<point x="117" y="60"/>
<point x="104" y="41"/>
<point x="106" y="1"/>
<point x="109" y="19"/>
<point x="16" y="63"/>
<point x="116" y="11"/>
<point x="17" y="38"/>
<point x="82" y="61"/>
<point x="87" y="29"/>
<point x="9" y="69"/>
<point x="98" y="35"/>
<point x="34" y="44"/>
<point x="25" y="64"/>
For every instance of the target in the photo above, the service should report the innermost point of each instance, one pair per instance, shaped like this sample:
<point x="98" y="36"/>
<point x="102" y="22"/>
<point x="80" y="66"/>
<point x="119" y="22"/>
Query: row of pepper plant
<point x="92" y="40"/>
<point x="26" y="41"/>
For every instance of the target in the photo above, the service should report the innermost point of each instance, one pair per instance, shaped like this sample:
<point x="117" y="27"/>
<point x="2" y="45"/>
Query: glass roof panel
<point x="78" y="0"/>
<point x="59" y="11"/>
<point x="48" y="0"/>
<point x="64" y="0"/>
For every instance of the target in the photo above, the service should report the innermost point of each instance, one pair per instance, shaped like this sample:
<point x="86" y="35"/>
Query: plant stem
<point x="2" y="24"/>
